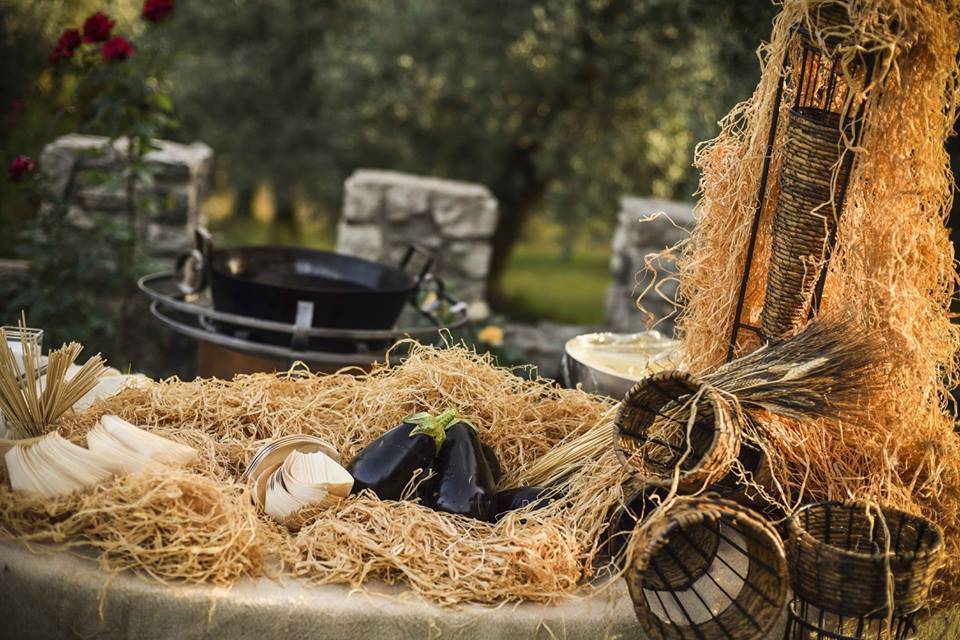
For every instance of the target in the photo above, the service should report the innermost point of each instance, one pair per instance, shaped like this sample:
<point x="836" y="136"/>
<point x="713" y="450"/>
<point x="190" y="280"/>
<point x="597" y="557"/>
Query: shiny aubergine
<point x="491" y="457"/>
<point x="462" y="482"/>
<point x="506" y="501"/>
<point x="388" y="463"/>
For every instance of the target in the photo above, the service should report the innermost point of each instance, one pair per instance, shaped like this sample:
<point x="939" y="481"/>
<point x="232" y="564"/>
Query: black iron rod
<point x="674" y="420"/>
<point x="692" y="579"/>
<point x="692" y="543"/>
<point x="752" y="245"/>
<point x="763" y="565"/>
<point x="801" y="81"/>
<point x="664" y="607"/>
<point x="683" y="610"/>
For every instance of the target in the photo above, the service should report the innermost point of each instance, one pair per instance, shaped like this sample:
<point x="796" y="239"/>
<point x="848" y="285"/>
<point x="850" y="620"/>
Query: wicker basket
<point x="839" y="562"/>
<point x="802" y="219"/>
<point x="709" y="569"/>
<point x="808" y="622"/>
<point x="654" y="436"/>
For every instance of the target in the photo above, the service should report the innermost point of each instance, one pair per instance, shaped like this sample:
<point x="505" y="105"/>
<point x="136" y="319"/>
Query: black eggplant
<point x="388" y="463"/>
<point x="491" y="457"/>
<point x="512" y="499"/>
<point x="462" y="481"/>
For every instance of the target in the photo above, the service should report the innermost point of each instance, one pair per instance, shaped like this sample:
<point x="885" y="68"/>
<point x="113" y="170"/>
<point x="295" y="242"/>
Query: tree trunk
<point x="518" y="191"/>
<point x="241" y="204"/>
<point x="285" y="215"/>
<point x="568" y="242"/>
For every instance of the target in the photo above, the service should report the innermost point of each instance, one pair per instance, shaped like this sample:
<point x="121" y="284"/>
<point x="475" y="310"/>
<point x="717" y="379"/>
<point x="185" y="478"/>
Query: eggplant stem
<point x="447" y="417"/>
<point x="435" y="427"/>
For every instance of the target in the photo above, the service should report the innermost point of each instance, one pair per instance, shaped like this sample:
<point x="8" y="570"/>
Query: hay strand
<point x="892" y="267"/>
<point x="528" y="555"/>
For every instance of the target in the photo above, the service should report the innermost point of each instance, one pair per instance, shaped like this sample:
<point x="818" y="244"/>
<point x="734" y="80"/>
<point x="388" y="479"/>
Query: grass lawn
<point x="537" y="284"/>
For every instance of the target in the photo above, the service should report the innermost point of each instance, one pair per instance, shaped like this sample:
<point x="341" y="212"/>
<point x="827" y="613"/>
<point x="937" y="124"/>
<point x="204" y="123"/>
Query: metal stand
<point x="817" y="85"/>
<point x="808" y="622"/>
<point x="189" y="315"/>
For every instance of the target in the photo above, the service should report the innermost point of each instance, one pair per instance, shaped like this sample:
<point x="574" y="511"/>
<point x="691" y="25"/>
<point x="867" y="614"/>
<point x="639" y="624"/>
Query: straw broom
<point x="829" y="369"/>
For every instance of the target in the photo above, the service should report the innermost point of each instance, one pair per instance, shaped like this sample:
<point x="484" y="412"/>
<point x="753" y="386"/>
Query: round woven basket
<point x="839" y="559"/>
<point x="808" y="622"/>
<point x="710" y="569"/>
<point x="671" y="423"/>
<point x="831" y="18"/>
<point x="803" y="217"/>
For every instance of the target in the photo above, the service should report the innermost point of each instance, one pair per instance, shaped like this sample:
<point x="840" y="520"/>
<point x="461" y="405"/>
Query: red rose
<point x="19" y="167"/>
<point x="97" y="27"/>
<point x="157" y="10"/>
<point x="116" y="49"/>
<point x="68" y="43"/>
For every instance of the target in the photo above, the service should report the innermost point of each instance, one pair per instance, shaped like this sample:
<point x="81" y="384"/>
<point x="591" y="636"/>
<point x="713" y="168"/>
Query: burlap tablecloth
<point x="48" y="595"/>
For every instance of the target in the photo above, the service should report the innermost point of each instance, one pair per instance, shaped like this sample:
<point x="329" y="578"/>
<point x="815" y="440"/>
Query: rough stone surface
<point x="542" y="344"/>
<point x="361" y="203"/>
<point x="470" y="259"/>
<point x="465" y="216"/>
<point x="363" y="241"/>
<point x="407" y="200"/>
<point x="384" y="212"/>
<point x="74" y="166"/>
<point x="645" y="226"/>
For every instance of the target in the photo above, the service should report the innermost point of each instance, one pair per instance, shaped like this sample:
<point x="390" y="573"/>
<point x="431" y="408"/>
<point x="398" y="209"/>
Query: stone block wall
<point x="385" y="211"/>
<point x="638" y="234"/>
<point x="73" y="166"/>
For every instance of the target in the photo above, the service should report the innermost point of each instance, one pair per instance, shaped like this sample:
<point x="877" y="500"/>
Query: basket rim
<point x="653" y="479"/>
<point x="705" y="510"/>
<point x="708" y="509"/>
<point x="798" y="531"/>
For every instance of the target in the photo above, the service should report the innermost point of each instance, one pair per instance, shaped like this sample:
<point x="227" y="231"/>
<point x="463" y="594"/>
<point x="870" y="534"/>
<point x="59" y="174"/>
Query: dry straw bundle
<point x="31" y="407"/>
<point x="893" y="265"/>
<point x="170" y="524"/>
<point x="528" y="555"/>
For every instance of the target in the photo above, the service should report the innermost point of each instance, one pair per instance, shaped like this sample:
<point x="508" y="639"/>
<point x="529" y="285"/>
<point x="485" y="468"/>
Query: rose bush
<point x="83" y="272"/>
<point x="97" y="27"/>
<point x="70" y="40"/>
<point x="157" y="10"/>
<point x="117" y="48"/>
<point x="19" y="167"/>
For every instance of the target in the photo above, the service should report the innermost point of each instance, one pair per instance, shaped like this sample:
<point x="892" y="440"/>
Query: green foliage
<point x="84" y="266"/>
<point x="70" y="266"/>
<point x="538" y="285"/>
<point x="568" y="102"/>
<point x="560" y="106"/>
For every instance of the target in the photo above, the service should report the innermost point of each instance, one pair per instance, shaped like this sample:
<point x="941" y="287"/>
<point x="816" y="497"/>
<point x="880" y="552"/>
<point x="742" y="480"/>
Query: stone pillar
<point x="384" y="212"/>
<point x="74" y="165"/>
<point x="637" y="235"/>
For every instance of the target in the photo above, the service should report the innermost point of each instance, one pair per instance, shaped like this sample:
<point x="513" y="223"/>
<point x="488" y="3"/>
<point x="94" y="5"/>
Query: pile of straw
<point x="170" y="525"/>
<point x="893" y="267"/>
<point x="166" y="527"/>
